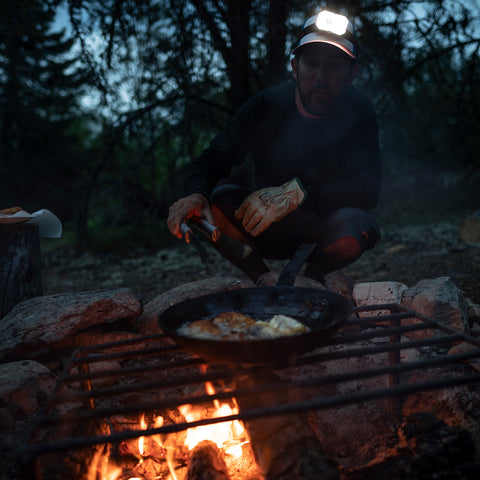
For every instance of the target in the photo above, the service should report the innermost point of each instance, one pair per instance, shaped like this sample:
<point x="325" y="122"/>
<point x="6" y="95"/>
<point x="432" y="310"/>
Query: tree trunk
<point x="277" y="36"/>
<point x="238" y="63"/>
<point x="20" y="265"/>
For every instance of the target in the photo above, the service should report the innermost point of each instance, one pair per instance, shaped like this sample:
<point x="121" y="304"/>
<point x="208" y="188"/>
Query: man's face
<point x="323" y="73"/>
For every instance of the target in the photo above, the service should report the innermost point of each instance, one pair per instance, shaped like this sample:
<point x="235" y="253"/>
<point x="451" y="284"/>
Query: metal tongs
<point x="234" y="248"/>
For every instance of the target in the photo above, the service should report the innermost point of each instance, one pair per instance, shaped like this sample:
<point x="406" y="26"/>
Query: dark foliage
<point x="98" y="120"/>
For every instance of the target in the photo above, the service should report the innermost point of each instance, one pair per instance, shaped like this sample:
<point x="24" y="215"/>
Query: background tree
<point x="166" y="75"/>
<point x="42" y="128"/>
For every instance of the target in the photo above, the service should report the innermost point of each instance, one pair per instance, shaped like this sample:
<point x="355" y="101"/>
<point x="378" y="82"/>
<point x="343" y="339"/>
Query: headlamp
<point x="331" y="28"/>
<point x="332" y="22"/>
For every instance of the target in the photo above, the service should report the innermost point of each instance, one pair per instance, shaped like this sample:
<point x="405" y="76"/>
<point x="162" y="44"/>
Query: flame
<point x="229" y="436"/>
<point x="113" y="473"/>
<point x="141" y="440"/>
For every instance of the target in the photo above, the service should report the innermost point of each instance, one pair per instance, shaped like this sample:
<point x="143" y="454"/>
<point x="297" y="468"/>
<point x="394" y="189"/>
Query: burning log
<point x="428" y="448"/>
<point x="285" y="447"/>
<point x="206" y="462"/>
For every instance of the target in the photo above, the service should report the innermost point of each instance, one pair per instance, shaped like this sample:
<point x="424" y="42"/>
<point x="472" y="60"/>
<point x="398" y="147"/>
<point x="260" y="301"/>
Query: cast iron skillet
<point x="324" y="312"/>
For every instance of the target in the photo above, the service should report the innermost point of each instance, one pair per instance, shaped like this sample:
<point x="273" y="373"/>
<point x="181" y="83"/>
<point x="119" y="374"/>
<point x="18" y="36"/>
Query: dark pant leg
<point x="345" y="226"/>
<point x="349" y="232"/>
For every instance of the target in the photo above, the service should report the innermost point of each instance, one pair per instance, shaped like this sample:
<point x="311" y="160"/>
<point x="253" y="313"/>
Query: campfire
<point x="146" y="408"/>
<point x="223" y="446"/>
<point x="184" y="438"/>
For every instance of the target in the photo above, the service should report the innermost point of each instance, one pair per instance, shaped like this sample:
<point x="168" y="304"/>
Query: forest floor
<point x="405" y="254"/>
<point x="420" y="213"/>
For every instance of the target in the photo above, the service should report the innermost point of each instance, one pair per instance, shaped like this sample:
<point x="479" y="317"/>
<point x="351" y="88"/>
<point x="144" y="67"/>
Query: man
<point x="314" y="144"/>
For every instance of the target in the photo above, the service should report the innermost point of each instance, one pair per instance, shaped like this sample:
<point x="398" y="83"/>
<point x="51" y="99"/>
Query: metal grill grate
<point x="155" y="374"/>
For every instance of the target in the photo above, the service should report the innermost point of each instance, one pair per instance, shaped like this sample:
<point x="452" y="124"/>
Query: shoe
<point x="270" y="279"/>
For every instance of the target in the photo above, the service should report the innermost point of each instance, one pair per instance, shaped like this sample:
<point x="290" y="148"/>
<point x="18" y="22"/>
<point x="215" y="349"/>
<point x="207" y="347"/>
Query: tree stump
<point x="20" y="265"/>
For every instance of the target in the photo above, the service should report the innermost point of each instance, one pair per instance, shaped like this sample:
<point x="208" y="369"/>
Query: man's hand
<point x="268" y="205"/>
<point x="195" y="205"/>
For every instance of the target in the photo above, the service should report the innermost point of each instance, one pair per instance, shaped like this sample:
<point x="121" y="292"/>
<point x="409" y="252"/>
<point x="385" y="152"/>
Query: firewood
<point x="206" y="462"/>
<point x="285" y="447"/>
<point x="428" y="448"/>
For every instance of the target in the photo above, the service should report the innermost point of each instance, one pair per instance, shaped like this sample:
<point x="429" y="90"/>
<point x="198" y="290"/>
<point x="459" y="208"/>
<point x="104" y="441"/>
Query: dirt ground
<point x="405" y="254"/>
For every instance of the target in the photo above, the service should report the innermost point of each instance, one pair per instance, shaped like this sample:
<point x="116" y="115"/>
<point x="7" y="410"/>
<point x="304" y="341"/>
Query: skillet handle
<point x="289" y="273"/>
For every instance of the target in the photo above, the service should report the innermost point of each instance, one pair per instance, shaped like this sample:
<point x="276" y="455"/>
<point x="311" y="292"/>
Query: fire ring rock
<point x="440" y="299"/>
<point x="46" y="321"/>
<point x="24" y="386"/>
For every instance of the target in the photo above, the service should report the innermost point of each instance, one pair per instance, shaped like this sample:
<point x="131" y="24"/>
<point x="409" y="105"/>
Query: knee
<point x="355" y="229"/>
<point x="344" y="248"/>
<point x="227" y="193"/>
<point x="336" y="255"/>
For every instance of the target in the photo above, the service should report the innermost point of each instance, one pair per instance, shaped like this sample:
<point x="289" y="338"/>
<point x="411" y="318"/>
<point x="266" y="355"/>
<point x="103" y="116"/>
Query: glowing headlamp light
<point x="332" y="28"/>
<point x="332" y="22"/>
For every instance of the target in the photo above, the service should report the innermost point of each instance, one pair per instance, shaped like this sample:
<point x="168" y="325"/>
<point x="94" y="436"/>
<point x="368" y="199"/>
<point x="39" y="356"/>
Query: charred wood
<point x="206" y="462"/>
<point x="428" y="448"/>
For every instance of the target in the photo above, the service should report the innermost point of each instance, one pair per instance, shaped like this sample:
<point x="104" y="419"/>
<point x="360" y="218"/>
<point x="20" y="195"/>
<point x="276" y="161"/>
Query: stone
<point x="25" y="386"/>
<point x="46" y="321"/>
<point x="466" y="347"/>
<point x="469" y="230"/>
<point x="147" y="322"/>
<point x="473" y="314"/>
<point x="350" y="431"/>
<point x="340" y="283"/>
<point x="94" y="337"/>
<point x="397" y="248"/>
<point x="378" y="293"/>
<point x="439" y="299"/>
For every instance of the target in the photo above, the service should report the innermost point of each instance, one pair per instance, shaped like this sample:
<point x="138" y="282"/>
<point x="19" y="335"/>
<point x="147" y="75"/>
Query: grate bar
<point x="267" y="387"/>
<point x="250" y="414"/>
<point x="385" y="333"/>
<point x="232" y="374"/>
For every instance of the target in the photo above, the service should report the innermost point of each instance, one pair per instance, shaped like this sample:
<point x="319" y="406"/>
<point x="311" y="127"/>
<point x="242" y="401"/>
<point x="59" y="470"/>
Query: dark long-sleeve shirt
<point x="337" y="158"/>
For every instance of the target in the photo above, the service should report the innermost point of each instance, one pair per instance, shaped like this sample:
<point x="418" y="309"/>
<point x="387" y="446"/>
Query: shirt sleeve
<point x="226" y="150"/>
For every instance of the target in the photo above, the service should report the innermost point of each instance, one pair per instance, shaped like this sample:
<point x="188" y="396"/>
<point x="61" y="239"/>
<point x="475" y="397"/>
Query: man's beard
<point x="318" y="101"/>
